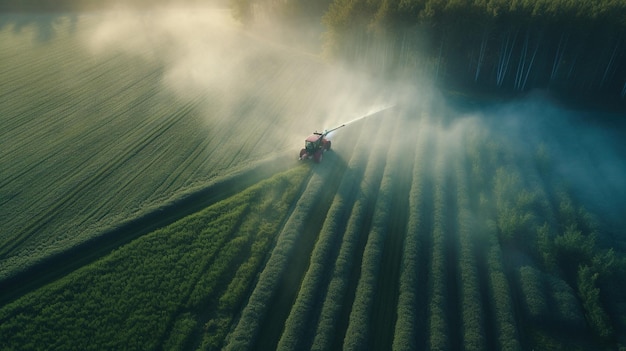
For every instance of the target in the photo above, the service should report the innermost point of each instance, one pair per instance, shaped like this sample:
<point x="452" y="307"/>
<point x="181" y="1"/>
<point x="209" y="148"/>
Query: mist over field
<point x="208" y="52"/>
<point x="584" y="147"/>
<point x="262" y="74"/>
<point x="150" y="139"/>
<point x="240" y="73"/>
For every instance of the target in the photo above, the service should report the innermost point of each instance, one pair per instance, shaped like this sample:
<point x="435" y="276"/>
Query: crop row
<point x="316" y="257"/>
<point x="363" y="313"/>
<point x="151" y="288"/>
<point x="473" y="320"/>
<point x="440" y="305"/>
<point x="247" y="329"/>
<point x="456" y="287"/>
<point x="411" y="320"/>
<point x="93" y="139"/>
<point x="310" y="294"/>
<point x="334" y="311"/>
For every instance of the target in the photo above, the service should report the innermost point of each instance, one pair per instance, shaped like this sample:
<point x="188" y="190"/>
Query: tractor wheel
<point x="328" y="146"/>
<point x="318" y="156"/>
<point x="302" y="153"/>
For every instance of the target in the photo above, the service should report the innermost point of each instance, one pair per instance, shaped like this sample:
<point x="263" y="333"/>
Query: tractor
<point x="316" y="144"/>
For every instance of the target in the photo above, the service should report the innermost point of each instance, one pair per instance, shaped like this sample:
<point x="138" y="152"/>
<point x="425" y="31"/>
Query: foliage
<point x="590" y="296"/>
<point x="493" y="255"/>
<point x="489" y="45"/>
<point x="534" y="293"/>
<point x="246" y="331"/>
<point x="411" y="278"/>
<point x="128" y="299"/>
<point x="473" y="319"/>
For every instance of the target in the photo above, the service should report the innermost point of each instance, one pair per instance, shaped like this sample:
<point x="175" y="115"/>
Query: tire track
<point x="102" y="173"/>
<point x="69" y="146"/>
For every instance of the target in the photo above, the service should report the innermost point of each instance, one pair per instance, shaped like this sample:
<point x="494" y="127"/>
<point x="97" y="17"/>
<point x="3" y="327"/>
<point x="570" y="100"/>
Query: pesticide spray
<point x="317" y="143"/>
<point x="369" y="114"/>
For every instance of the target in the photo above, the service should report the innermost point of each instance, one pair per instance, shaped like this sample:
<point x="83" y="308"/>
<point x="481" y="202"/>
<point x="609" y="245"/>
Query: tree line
<point x="572" y="48"/>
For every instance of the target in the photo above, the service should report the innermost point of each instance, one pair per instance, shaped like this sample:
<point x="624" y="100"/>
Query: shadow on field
<point x="57" y="266"/>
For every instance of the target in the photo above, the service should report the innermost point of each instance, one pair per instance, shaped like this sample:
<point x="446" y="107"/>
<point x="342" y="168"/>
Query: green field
<point x="95" y="132"/>
<point x="151" y="199"/>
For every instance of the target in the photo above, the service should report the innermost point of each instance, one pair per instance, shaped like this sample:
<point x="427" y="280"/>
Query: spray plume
<point x="370" y="114"/>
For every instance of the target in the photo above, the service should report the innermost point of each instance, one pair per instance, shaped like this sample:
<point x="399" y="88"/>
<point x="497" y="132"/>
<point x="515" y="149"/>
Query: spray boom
<point x="316" y="144"/>
<point x="327" y="131"/>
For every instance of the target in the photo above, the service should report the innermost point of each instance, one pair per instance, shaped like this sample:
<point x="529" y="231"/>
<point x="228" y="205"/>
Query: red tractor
<point x="315" y="145"/>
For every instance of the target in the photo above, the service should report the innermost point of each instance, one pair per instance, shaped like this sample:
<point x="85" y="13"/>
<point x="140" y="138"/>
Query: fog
<point x="585" y="148"/>
<point x="251" y="73"/>
<point x="258" y="76"/>
<point x="239" y="74"/>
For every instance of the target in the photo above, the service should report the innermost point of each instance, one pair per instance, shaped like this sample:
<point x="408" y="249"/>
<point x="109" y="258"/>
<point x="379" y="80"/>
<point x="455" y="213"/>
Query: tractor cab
<point x="312" y="143"/>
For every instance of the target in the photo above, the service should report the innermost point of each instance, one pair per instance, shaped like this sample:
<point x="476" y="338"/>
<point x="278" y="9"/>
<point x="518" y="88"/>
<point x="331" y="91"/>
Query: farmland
<point x="426" y="227"/>
<point x="143" y="140"/>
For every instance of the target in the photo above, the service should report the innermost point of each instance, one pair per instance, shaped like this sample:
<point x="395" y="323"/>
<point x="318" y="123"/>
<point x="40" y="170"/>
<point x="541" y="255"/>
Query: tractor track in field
<point x="102" y="173"/>
<point x="58" y="265"/>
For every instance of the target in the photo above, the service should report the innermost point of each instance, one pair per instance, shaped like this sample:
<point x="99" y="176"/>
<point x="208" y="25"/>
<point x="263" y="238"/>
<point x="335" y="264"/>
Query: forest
<point x="573" y="49"/>
<point x="576" y="50"/>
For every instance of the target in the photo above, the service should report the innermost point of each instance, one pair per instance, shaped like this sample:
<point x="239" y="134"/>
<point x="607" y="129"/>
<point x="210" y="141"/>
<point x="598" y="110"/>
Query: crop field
<point x="150" y="202"/>
<point x="93" y="134"/>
